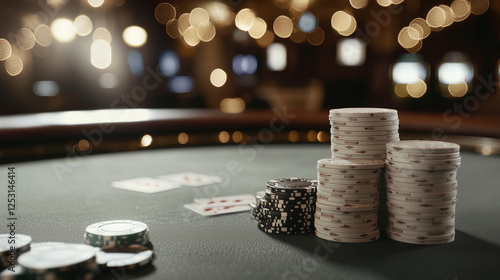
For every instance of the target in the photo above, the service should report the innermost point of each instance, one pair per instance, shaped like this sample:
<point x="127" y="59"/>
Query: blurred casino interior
<point x="171" y="73"/>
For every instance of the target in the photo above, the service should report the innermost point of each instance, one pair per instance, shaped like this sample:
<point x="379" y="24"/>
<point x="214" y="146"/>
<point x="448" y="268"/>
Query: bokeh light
<point x="5" y="49"/>
<point x="358" y="4"/>
<point x="63" y="30"/>
<point x="108" y="80"/>
<point x="307" y="22"/>
<point x="173" y="28"/>
<point x="135" y="36"/>
<point x="232" y="105"/>
<point x="43" y="35"/>
<point x="218" y="77"/>
<point x="417" y="89"/>
<point x="283" y="26"/>
<point x="83" y="25"/>
<point x="95" y="3"/>
<point x="165" y="12"/>
<point x="206" y="31"/>
<point x="102" y="33"/>
<point x="14" y="65"/>
<point x="224" y="137"/>
<point x="100" y="54"/>
<point x="46" y="88"/>
<point x="458" y="89"/>
<point x="191" y="36"/>
<point x="198" y="16"/>
<point x="146" y="140"/>
<point x="183" y="138"/>
<point x="258" y="28"/>
<point x="244" y="19"/>
<point x="276" y="57"/>
<point x="316" y="37"/>
<point x="25" y="39"/>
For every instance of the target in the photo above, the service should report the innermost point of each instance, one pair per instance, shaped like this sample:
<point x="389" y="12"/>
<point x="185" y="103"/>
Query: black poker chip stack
<point x="286" y="207"/>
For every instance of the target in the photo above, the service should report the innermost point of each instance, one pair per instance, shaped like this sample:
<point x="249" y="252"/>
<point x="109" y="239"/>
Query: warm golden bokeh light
<point x="341" y="21"/>
<point x="258" y="28"/>
<point x="83" y="25"/>
<point x="183" y="23"/>
<point x="102" y="33"/>
<point x="293" y="136"/>
<point x="83" y="145"/>
<point x="384" y="3"/>
<point x="220" y="13"/>
<point x="218" y="77"/>
<point x="183" y="138"/>
<point x="224" y="137"/>
<point x="283" y="26"/>
<point x="25" y="39"/>
<point x="165" y="12"/>
<point x="298" y="36"/>
<point x="206" y="31"/>
<point x="198" y="16"/>
<point x="95" y="3"/>
<point x="401" y="90"/>
<point x="100" y="54"/>
<point x="191" y="36"/>
<point x="300" y="5"/>
<point x="267" y="39"/>
<point x="63" y="30"/>
<point x="244" y="19"/>
<point x="407" y="37"/>
<point x="418" y="89"/>
<point x="43" y="35"/>
<point x="436" y="17"/>
<point x="352" y="27"/>
<point x="5" y="49"/>
<point x="311" y="136"/>
<point x="449" y="17"/>
<point x="146" y="140"/>
<point x="323" y="137"/>
<point x="415" y="48"/>
<point x="14" y="65"/>
<point x="358" y="4"/>
<point x="232" y="105"/>
<point x="316" y="37"/>
<point x="172" y="28"/>
<point x="237" y="136"/>
<point x="459" y="89"/>
<point x="461" y="9"/>
<point x="135" y="36"/>
<point x="479" y="7"/>
<point x="421" y="26"/>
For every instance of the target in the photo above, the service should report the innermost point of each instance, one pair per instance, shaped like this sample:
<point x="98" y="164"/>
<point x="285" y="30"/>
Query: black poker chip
<point x="286" y="231"/>
<point x="292" y="224"/>
<point x="297" y="187"/>
<point x="286" y="199"/>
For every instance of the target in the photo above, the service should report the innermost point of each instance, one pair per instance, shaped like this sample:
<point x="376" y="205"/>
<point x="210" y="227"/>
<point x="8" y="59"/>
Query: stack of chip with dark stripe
<point x="286" y="207"/>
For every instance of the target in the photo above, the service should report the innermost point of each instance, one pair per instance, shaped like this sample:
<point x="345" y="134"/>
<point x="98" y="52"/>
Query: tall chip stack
<point x="358" y="134"/>
<point x="347" y="200"/>
<point x="286" y="207"/>
<point x="422" y="191"/>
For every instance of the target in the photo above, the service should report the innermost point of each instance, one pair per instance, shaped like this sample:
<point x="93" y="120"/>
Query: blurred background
<point x="437" y="62"/>
<point x="233" y="55"/>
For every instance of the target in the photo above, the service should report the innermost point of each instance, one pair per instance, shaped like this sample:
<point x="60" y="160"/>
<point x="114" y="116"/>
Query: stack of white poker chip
<point x="361" y="133"/>
<point x="422" y="191"/>
<point x="347" y="200"/>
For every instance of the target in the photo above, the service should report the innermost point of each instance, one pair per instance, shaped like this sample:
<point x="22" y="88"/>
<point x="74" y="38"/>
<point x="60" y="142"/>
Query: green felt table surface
<point x="58" y="198"/>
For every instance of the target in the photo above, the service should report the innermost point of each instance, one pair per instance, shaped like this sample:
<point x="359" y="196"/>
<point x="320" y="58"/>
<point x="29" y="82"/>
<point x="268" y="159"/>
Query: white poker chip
<point x="18" y="240"/>
<point x="361" y="119"/>
<point x="422" y="166"/>
<point x="391" y="137"/>
<point x="379" y="156"/>
<point x="423" y="147"/>
<point x="448" y="161"/>
<point x="392" y="153"/>
<point x="326" y="192"/>
<point x="365" y="133"/>
<point x="372" y="128"/>
<point x="335" y="141"/>
<point x="346" y="240"/>
<point x="325" y="174"/>
<point x="125" y="258"/>
<point x="420" y="241"/>
<point x="364" y="124"/>
<point x="406" y="223"/>
<point x="360" y="151"/>
<point x="338" y="163"/>
<point x="117" y="228"/>
<point x="357" y="147"/>
<point x="421" y="217"/>
<point x="363" y="112"/>
<point x="54" y="255"/>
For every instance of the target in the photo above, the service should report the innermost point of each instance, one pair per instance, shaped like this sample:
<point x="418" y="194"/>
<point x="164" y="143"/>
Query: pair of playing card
<point x="221" y="205"/>
<point x="166" y="182"/>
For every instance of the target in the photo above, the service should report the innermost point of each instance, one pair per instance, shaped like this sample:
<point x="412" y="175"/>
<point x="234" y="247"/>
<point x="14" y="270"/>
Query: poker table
<point x="58" y="206"/>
